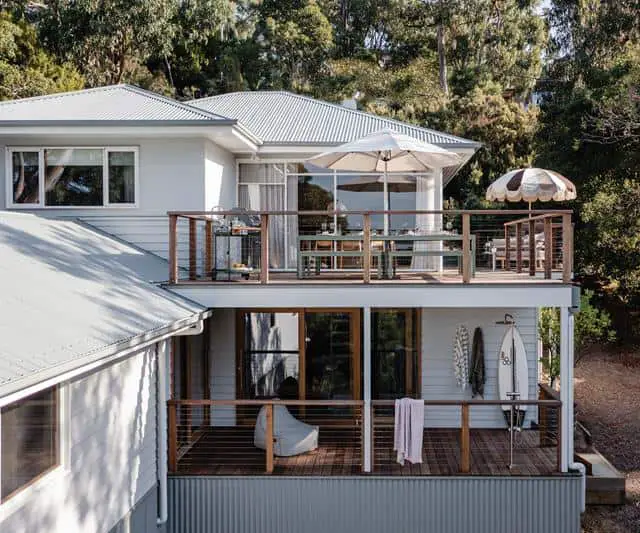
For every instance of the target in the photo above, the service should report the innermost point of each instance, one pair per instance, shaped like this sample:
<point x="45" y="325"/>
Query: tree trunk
<point x="442" y="60"/>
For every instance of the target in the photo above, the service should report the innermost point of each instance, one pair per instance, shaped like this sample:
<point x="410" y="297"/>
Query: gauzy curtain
<point x="262" y="188"/>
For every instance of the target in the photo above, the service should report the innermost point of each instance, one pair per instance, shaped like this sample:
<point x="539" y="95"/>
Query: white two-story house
<point x="278" y="412"/>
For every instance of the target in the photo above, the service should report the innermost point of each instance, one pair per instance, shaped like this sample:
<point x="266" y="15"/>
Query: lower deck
<point x="229" y="451"/>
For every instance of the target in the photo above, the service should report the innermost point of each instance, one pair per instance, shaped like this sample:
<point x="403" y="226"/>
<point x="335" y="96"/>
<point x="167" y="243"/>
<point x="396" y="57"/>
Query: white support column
<point x="366" y="374"/>
<point x="566" y="386"/>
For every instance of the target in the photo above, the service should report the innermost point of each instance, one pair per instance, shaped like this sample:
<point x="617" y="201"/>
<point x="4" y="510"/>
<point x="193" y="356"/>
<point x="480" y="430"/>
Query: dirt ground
<point x="608" y="404"/>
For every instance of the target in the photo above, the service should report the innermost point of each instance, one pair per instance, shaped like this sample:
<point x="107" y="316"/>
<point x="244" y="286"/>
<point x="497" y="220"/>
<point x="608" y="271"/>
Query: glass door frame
<point x="355" y="335"/>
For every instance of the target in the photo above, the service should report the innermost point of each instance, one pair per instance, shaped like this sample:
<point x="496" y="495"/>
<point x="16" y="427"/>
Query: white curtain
<point x="262" y="188"/>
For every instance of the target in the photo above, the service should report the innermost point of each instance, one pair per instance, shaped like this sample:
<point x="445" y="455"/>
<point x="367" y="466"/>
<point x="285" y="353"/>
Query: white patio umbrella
<point x="386" y="151"/>
<point x="531" y="185"/>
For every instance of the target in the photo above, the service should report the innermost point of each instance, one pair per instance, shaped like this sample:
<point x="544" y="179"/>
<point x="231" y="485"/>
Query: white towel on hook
<point x="408" y="430"/>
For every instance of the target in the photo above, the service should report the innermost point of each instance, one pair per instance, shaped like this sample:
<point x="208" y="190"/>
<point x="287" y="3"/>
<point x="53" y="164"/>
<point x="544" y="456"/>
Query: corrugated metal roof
<point x="111" y="103"/>
<point x="281" y="117"/>
<point x="69" y="294"/>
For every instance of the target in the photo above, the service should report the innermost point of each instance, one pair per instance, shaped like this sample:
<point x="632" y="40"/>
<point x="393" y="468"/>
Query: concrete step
<point x="605" y="484"/>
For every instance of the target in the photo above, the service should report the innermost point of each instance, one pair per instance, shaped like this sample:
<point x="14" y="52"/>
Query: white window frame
<point x="105" y="179"/>
<point x="54" y="474"/>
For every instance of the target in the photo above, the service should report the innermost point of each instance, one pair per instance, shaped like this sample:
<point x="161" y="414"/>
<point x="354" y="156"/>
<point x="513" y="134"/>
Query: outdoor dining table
<point x="392" y="252"/>
<point x="305" y="254"/>
<point x="386" y="254"/>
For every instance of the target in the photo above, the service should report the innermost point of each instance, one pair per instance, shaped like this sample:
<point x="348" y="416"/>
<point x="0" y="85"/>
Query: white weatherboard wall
<point x="220" y="177"/>
<point x="111" y="454"/>
<point x="222" y="353"/>
<point x="177" y="174"/>
<point x="438" y="379"/>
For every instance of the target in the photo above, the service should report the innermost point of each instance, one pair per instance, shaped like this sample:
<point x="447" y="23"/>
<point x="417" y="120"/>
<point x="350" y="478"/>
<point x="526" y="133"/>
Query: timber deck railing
<point x="431" y="246"/>
<point x="216" y="437"/>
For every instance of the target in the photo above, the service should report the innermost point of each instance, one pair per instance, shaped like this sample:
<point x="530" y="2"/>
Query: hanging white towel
<point x="408" y="430"/>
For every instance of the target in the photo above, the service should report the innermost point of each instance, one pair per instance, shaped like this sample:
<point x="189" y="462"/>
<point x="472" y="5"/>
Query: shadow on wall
<point x="112" y="459"/>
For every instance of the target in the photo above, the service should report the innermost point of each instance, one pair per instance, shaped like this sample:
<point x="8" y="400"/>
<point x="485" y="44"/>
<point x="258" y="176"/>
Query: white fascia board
<point x="340" y="295"/>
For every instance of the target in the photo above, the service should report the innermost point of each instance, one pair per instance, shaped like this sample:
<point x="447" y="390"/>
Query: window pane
<point x="25" y="170"/>
<point x="315" y="193"/>
<point x="29" y="440"/>
<point x="73" y="176"/>
<point x="270" y="355"/>
<point x="121" y="177"/>
<point x="394" y="353"/>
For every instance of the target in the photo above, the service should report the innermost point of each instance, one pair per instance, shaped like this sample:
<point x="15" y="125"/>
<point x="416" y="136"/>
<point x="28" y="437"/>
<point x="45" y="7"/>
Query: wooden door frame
<point x="356" y="334"/>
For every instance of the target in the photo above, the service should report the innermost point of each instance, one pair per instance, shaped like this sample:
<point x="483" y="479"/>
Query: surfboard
<point x="510" y="379"/>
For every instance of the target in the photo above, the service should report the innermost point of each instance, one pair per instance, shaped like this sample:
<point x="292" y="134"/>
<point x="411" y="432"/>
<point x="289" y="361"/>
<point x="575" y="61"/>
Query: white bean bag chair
<point x="290" y="435"/>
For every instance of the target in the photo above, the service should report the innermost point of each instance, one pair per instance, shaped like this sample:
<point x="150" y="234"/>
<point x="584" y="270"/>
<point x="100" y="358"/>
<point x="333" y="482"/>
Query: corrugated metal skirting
<point x="374" y="505"/>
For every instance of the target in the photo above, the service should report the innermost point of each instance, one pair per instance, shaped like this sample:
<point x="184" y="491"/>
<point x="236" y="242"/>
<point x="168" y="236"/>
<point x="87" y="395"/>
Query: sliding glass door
<point x="316" y="354"/>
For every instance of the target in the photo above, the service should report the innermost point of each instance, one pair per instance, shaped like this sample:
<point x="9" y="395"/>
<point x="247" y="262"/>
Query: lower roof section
<point x="349" y="295"/>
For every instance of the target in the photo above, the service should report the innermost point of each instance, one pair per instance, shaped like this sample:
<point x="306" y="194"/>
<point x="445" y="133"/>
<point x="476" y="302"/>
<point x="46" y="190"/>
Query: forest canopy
<point x="553" y="84"/>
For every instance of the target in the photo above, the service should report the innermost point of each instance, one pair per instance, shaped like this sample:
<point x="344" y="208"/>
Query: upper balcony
<point x="377" y="247"/>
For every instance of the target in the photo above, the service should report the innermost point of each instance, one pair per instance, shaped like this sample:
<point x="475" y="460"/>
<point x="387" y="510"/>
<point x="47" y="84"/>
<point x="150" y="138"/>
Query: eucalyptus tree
<point x="26" y="69"/>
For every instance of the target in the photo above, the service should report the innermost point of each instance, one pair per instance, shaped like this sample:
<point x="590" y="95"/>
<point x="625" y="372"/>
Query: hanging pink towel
<point x="408" y="430"/>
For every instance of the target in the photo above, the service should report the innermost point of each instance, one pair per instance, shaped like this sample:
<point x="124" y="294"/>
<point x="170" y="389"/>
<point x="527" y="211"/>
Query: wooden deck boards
<point x="230" y="451"/>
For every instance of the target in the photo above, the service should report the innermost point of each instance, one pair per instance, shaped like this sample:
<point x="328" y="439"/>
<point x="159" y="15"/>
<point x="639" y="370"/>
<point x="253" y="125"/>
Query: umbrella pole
<point x="385" y="185"/>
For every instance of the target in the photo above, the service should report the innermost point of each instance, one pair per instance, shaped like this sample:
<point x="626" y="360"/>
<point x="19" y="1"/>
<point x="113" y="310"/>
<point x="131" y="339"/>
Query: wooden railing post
<point x="193" y="244"/>
<point x="567" y="248"/>
<point x="465" y="444"/>
<point x="518" y="247"/>
<point x="532" y="247"/>
<point x="548" y="247"/>
<point x="264" y="248"/>
<point x="173" y="248"/>
<point x="507" y="247"/>
<point x="466" y="248"/>
<point x="366" y="247"/>
<point x="208" y="248"/>
<point x="269" y="438"/>
<point x="172" y="435"/>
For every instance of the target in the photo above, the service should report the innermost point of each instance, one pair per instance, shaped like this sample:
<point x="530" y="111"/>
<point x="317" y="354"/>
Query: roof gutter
<point x="16" y="390"/>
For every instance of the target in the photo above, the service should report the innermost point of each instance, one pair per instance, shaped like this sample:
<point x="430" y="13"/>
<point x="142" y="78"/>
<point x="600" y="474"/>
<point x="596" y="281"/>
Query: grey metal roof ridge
<point x="170" y="101"/>
<point x="341" y="108"/>
<point x="205" y="114"/>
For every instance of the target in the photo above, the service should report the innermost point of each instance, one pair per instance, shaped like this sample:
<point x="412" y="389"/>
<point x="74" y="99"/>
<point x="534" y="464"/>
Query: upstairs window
<point x="30" y="433"/>
<point x="72" y="177"/>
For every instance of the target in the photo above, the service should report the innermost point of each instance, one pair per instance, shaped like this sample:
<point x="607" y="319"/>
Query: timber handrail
<point x="469" y="231"/>
<point x="177" y="448"/>
<point x="209" y="215"/>
<point x="319" y="403"/>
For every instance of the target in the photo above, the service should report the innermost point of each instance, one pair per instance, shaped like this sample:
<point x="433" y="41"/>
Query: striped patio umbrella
<point x="531" y="185"/>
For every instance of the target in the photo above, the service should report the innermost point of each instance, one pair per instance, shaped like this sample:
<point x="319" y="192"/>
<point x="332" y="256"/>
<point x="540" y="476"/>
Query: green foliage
<point x="591" y="325"/>
<point x="294" y="37"/>
<point x="25" y="68"/>
<point x="612" y="238"/>
<point x="108" y="39"/>
<point x="506" y="129"/>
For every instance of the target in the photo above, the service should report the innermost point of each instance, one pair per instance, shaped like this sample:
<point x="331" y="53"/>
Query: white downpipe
<point x="196" y="329"/>
<point x="566" y="386"/>
<point x="366" y="374"/>
<point x="583" y="491"/>
<point x="161" y="399"/>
